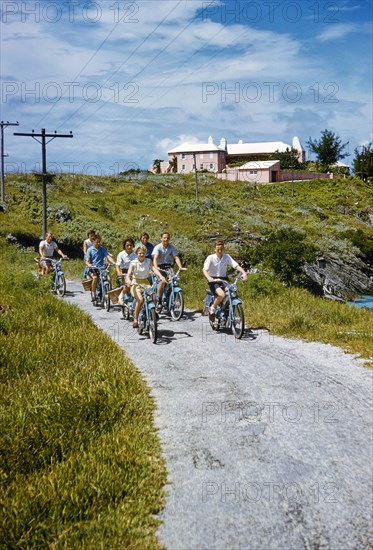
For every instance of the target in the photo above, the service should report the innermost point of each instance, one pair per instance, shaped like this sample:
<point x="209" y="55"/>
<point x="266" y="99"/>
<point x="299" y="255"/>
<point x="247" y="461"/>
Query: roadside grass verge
<point x="294" y="313"/>
<point x="80" y="461"/>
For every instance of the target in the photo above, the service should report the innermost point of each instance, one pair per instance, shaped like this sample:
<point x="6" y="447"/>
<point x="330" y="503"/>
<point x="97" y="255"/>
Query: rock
<point x="339" y="279"/>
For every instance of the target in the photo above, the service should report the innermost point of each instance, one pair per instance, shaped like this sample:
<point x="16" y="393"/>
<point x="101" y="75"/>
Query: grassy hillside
<point x="80" y="461"/>
<point x="324" y="217"/>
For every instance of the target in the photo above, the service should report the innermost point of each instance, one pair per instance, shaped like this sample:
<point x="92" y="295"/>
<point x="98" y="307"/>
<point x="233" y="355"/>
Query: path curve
<point x="267" y="440"/>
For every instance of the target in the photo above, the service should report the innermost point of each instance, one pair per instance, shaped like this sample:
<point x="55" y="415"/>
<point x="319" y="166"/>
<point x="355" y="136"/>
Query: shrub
<point x="285" y="252"/>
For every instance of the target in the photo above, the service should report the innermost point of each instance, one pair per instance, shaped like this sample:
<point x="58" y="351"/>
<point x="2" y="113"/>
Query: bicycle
<point x="230" y="312"/>
<point x="147" y="321"/>
<point x="59" y="281"/>
<point x="100" y="297"/>
<point x="172" y="297"/>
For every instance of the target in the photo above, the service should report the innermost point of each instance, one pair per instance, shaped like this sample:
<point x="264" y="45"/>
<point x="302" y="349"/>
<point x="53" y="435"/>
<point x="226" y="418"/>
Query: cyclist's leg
<point x="139" y="302"/>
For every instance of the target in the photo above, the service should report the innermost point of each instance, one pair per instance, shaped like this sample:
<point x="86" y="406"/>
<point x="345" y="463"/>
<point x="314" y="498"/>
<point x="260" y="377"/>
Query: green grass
<point x="332" y="215"/>
<point x="80" y="461"/>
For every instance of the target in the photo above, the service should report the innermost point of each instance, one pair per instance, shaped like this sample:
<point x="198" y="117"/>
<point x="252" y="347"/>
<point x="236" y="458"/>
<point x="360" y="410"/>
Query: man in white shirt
<point x="215" y="267"/>
<point x="46" y="250"/>
<point x="164" y="255"/>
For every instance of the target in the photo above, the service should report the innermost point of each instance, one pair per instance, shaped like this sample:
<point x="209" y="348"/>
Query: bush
<point x="285" y="252"/>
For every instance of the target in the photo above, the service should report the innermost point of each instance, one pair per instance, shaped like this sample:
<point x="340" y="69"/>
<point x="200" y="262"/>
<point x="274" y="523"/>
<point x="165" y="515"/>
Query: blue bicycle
<point x="147" y="321"/>
<point x="100" y="297"/>
<point x="230" y="312"/>
<point x="172" y="297"/>
<point x="59" y="281"/>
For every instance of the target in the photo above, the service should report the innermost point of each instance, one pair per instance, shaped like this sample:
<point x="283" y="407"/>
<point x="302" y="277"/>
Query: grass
<point x="80" y="461"/>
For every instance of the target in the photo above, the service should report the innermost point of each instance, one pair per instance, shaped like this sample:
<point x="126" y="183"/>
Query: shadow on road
<point x="167" y="336"/>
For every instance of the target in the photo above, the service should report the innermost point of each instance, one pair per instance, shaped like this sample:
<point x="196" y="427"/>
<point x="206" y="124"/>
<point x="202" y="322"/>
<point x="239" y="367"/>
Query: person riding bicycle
<point x="164" y="257"/>
<point x="215" y="267"/>
<point x="138" y="274"/>
<point x="124" y="259"/>
<point x="46" y="250"/>
<point x="144" y="239"/>
<point x="87" y="243"/>
<point x="96" y="259"/>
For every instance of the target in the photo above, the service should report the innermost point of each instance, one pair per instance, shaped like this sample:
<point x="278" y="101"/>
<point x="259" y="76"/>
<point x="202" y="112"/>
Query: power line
<point x="4" y="125"/>
<point x="45" y="176"/>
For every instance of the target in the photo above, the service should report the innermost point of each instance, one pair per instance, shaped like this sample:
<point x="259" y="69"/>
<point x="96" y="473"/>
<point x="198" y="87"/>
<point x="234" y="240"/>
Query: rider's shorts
<point x="217" y="284"/>
<point x="137" y="282"/>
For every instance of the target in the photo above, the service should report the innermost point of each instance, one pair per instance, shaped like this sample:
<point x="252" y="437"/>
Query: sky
<point x="134" y="79"/>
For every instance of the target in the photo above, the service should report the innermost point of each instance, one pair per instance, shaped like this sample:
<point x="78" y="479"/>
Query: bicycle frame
<point x="225" y="314"/>
<point x="59" y="282"/>
<point x="170" y="291"/>
<point x="102" y="286"/>
<point x="147" y="320"/>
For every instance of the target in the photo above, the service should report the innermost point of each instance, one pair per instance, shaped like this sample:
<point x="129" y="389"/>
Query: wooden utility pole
<point x="195" y="174"/>
<point x="44" y="174"/>
<point x="4" y="125"/>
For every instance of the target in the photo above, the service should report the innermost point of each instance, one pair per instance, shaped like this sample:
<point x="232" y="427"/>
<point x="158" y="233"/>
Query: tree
<point x="157" y="165"/>
<point x="173" y="164"/>
<point x="329" y="149"/>
<point x="363" y="162"/>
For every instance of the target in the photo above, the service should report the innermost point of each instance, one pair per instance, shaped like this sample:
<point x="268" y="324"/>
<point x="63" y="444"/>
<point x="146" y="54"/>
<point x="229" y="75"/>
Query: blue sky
<point x="132" y="79"/>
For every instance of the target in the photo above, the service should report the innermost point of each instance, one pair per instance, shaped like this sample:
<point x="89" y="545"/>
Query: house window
<point x="201" y="156"/>
<point x="211" y="166"/>
<point x="253" y="172"/>
<point x="211" y="155"/>
<point x="193" y="166"/>
<point x="201" y="166"/>
<point x="183" y="156"/>
<point x="183" y="166"/>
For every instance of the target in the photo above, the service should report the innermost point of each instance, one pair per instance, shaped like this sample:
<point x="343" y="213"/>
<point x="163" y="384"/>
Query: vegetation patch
<point x="80" y="462"/>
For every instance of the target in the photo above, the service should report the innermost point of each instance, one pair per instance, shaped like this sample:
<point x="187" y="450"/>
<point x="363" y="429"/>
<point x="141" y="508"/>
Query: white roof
<point x="258" y="165"/>
<point x="195" y="148"/>
<point x="257" y="148"/>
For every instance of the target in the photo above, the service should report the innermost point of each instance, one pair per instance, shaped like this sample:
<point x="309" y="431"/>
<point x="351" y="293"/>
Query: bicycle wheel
<point x="141" y="321"/>
<point x="153" y="329"/>
<point x="61" y="285"/>
<point x="106" y="299"/>
<point x="177" y="306"/>
<point x="125" y="312"/>
<point x="238" y="321"/>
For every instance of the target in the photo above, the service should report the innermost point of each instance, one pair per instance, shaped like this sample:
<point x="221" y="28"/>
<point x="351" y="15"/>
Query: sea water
<point x="363" y="301"/>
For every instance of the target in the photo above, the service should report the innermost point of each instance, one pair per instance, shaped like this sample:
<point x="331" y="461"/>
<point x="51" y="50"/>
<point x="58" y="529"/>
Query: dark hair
<point x="218" y="242"/>
<point x="91" y="232"/>
<point x="165" y="233"/>
<point x="144" y="234"/>
<point x="128" y="240"/>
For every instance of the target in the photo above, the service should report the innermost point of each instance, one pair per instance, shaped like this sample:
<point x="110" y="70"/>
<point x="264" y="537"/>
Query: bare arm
<point x="243" y="272"/>
<point x="157" y="272"/>
<point x="178" y="263"/>
<point x="129" y="275"/>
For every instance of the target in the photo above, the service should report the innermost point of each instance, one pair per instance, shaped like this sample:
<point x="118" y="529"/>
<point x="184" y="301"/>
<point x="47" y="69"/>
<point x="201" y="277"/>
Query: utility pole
<point x="44" y="174"/>
<point x="195" y="174"/>
<point x="4" y="125"/>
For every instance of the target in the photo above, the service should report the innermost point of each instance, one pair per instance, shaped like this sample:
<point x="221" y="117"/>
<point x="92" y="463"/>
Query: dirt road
<point x="268" y="441"/>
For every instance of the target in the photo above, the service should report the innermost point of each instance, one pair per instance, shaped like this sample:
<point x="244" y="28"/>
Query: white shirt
<point x="164" y="255"/>
<point x="48" y="248"/>
<point x="124" y="259"/>
<point x="141" y="269"/>
<point x="217" y="267"/>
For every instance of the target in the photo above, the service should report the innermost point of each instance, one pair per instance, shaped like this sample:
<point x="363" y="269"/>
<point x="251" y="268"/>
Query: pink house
<point x="215" y="158"/>
<point x="205" y="156"/>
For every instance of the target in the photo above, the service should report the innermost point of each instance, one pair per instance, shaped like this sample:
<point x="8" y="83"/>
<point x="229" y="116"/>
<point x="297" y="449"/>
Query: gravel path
<point x="268" y="441"/>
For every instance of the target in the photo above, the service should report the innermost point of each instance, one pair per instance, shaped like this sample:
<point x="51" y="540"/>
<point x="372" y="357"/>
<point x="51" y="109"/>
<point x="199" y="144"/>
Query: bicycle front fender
<point x="236" y="301"/>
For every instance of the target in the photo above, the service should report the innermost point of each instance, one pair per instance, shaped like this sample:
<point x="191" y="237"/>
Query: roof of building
<point x="257" y="148"/>
<point x="195" y="148"/>
<point x="258" y="165"/>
